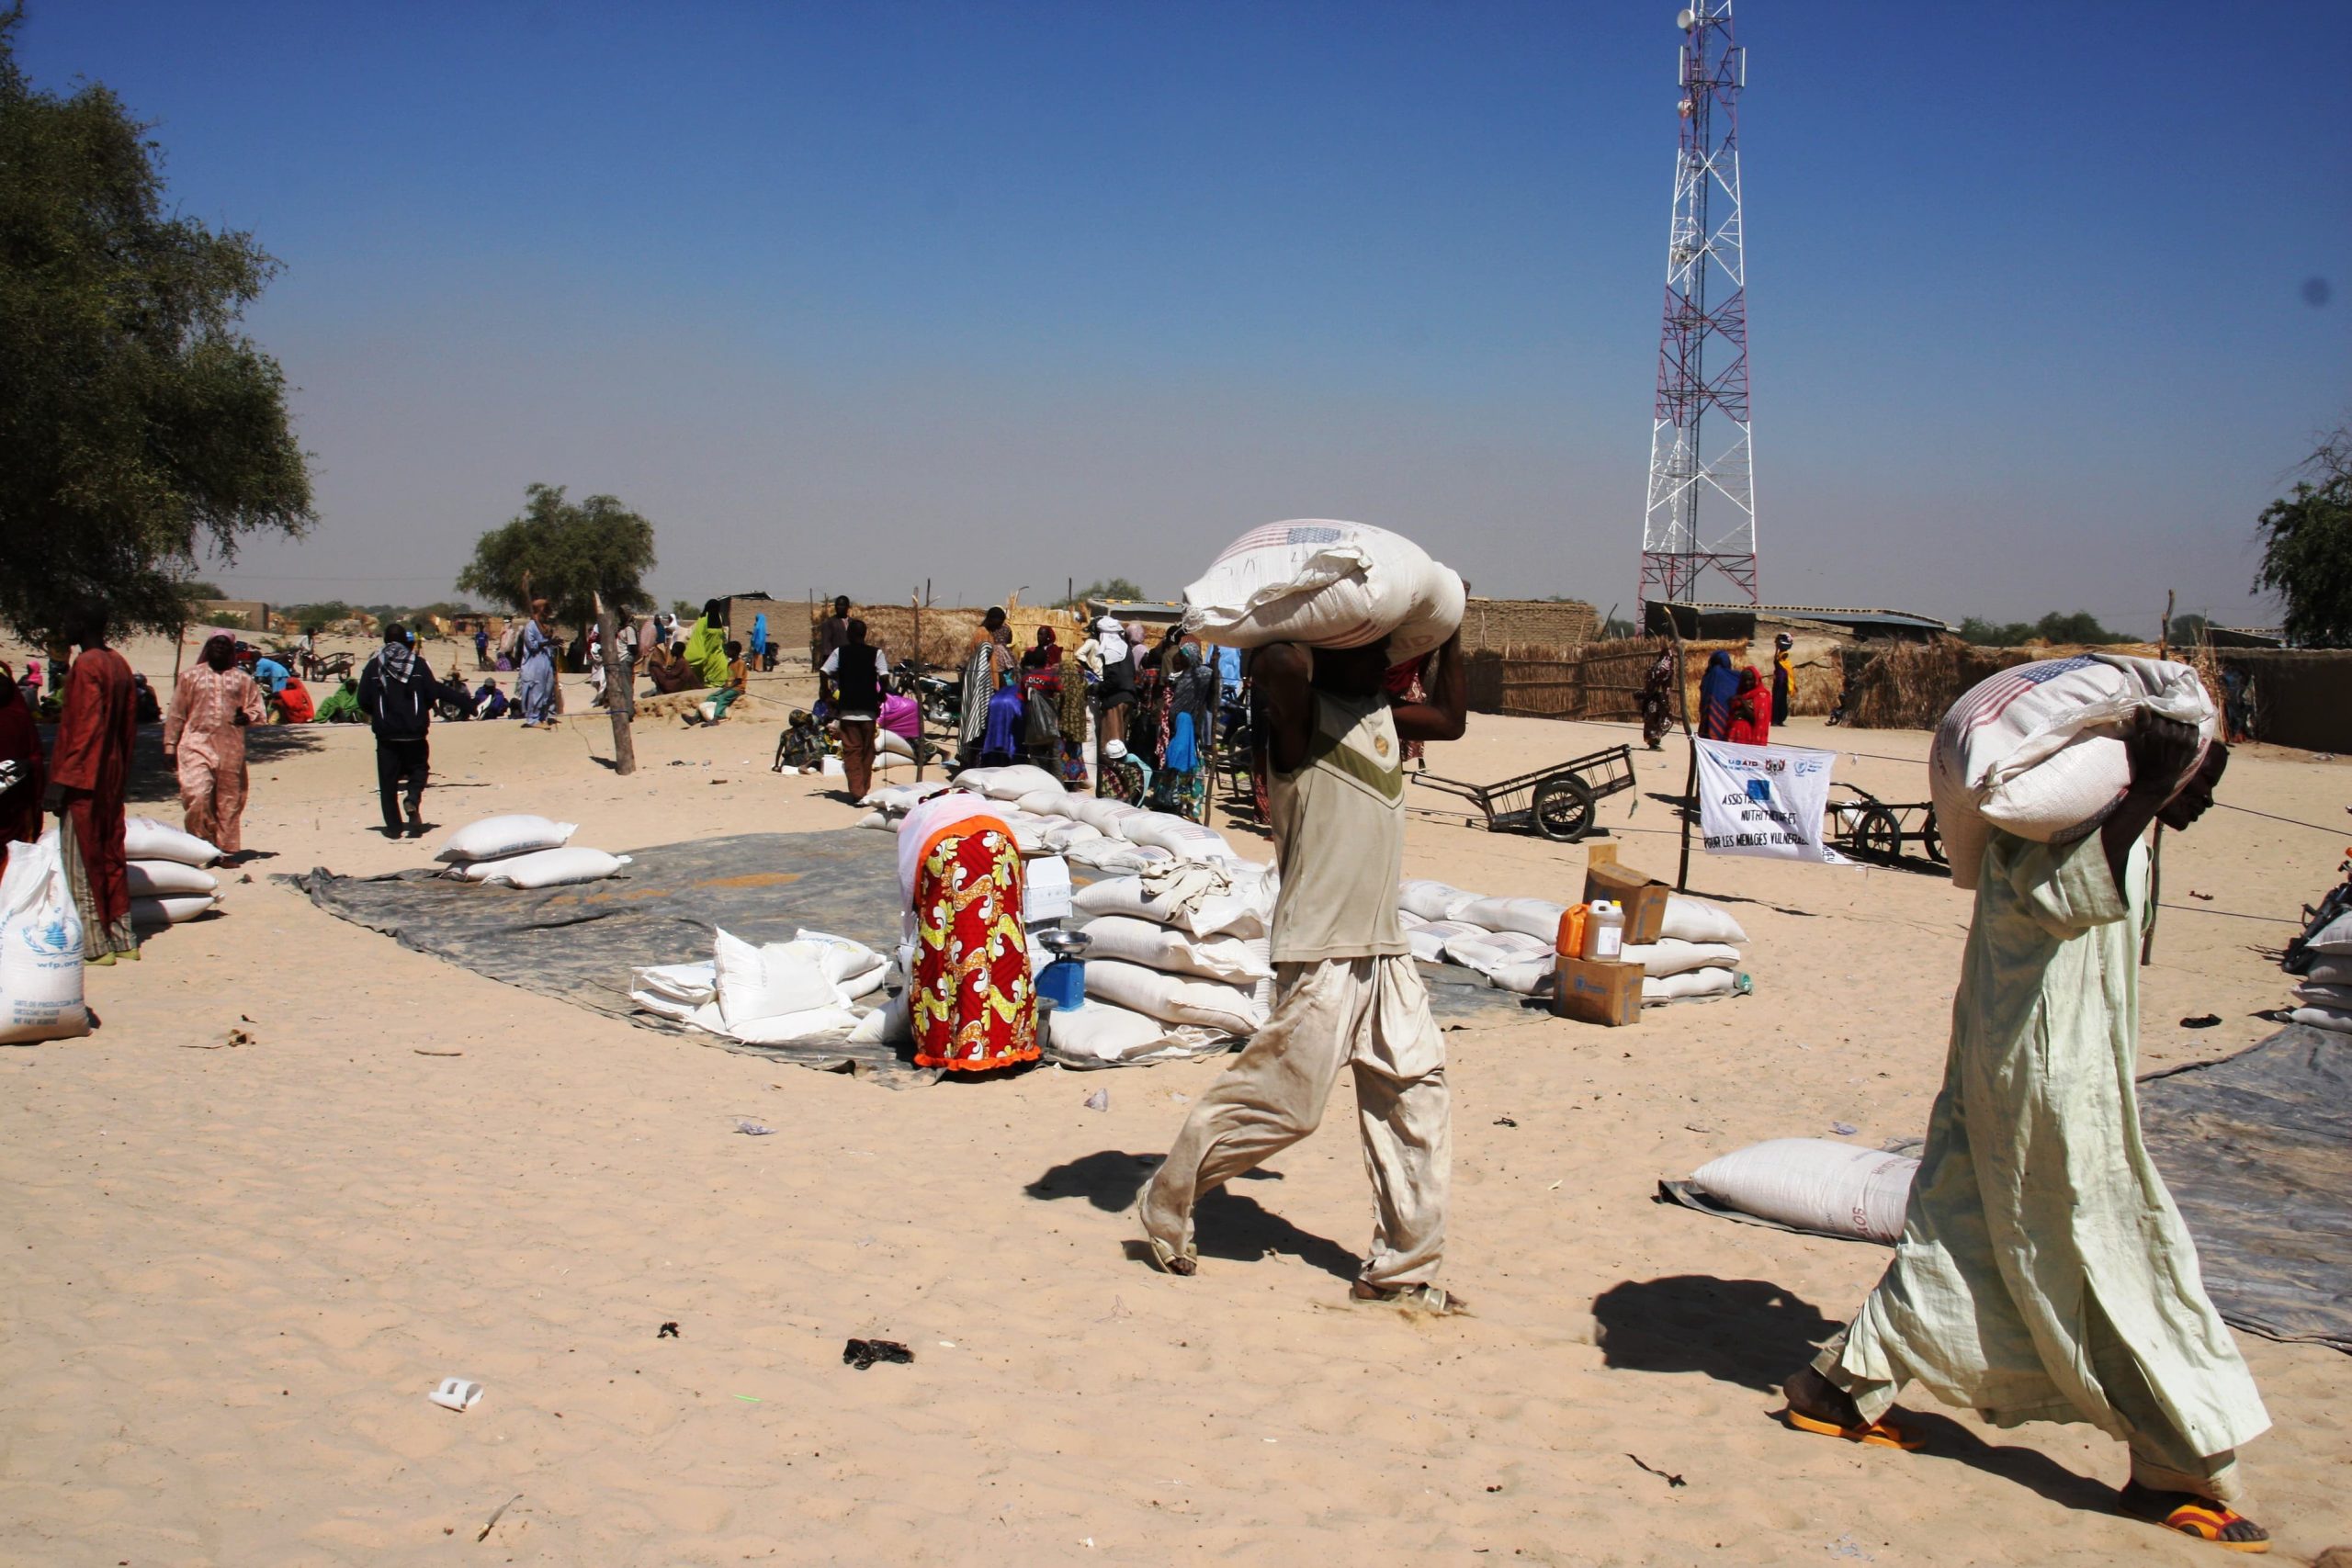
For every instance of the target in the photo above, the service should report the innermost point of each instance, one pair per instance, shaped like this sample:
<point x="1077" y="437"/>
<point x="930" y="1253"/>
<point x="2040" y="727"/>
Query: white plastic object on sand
<point x="1327" y="583"/>
<point x="154" y="914"/>
<point x="166" y="878"/>
<point x="2037" y="750"/>
<point x="457" y="1393"/>
<point x="1136" y="941"/>
<point x="497" y="837"/>
<point x="832" y="767"/>
<point x="1813" y="1184"/>
<point x="1695" y="919"/>
<point x="143" y="838"/>
<point x="1604" y="929"/>
<point x="1175" y="998"/>
<point x="545" y="868"/>
<point x="40" y="948"/>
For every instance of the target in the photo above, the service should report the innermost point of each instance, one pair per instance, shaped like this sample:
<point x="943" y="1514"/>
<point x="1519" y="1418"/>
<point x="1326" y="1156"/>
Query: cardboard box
<point x="1645" y="900"/>
<point x="1598" y="853"/>
<point x="1598" y="990"/>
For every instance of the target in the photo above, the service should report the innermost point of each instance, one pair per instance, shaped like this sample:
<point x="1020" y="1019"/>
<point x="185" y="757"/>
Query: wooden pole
<point x="2157" y="849"/>
<point x="620" y="695"/>
<point x="1691" y="779"/>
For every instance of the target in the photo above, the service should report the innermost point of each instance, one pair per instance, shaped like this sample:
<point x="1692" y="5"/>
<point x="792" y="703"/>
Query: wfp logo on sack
<point x="47" y="940"/>
<point x="1759" y="791"/>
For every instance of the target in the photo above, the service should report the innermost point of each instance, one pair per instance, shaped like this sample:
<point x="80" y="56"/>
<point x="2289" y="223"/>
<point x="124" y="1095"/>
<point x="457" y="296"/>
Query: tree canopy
<point x="2080" y="627"/>
<point x="566" y="553"/>
<point x="1115" y="590"/>
<point x="136" y="424"/>
<point x="2307" y="548"/>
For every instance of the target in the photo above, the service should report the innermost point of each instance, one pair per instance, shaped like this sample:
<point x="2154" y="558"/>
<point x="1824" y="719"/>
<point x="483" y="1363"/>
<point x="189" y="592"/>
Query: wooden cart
<point x="1869" y="829"/>
<point x="1559" y="802"/>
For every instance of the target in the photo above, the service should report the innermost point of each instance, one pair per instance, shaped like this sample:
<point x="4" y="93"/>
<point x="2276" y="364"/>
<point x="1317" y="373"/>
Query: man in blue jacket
<point x="397" y="691"/>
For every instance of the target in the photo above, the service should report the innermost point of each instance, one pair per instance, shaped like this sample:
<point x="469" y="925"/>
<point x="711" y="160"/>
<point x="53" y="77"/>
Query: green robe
<point x="342" y="707"/>
<point x="706" y="652"/>
<point x="2043" y="1272"/>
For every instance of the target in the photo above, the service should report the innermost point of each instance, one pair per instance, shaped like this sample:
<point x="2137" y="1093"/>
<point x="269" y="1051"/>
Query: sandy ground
<point x="233" y="1271"/>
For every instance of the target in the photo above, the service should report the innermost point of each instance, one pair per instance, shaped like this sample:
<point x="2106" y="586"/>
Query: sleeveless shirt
<point x="1339" y="826"/>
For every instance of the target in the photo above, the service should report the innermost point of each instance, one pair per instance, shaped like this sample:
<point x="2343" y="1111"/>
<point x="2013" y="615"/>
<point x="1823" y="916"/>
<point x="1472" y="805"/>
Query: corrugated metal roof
<point x="1836" y="616"/>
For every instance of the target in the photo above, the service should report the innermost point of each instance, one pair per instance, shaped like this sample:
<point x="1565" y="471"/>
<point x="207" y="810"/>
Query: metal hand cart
<point x="1869" y="829"/>
<point x="1559" y="802"/>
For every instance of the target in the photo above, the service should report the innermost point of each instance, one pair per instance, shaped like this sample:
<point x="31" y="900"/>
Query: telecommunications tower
<point x="1701" y="509"/>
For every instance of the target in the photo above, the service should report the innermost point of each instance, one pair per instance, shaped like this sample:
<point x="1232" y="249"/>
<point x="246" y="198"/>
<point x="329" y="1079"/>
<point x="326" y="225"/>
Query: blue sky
<point x="844" y="297"/>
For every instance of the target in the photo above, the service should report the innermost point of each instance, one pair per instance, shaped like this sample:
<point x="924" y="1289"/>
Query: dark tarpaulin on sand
<point x="2257" y="1149"/>
<point x="579" y="943"/>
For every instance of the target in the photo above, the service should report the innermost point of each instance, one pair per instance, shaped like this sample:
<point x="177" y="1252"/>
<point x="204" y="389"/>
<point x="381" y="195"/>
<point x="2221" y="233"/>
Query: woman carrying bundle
<point x="970" y="998"/>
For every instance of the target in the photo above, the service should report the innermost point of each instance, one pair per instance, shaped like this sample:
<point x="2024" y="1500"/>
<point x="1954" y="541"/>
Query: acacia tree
<point x="568" y="554"/>
<point x="2307" y="548"/>
<point x="136" y="424"/>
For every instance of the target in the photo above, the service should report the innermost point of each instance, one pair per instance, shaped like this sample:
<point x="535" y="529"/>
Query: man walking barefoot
<point x="2043" y="1273"/>
<point x="1347" y="994"/>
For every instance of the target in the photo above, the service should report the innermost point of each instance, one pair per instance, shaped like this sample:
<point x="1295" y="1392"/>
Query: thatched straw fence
<point x="947" y="629"/>
<point x="1602" y="680"/>
<point x="1912" y="685"/>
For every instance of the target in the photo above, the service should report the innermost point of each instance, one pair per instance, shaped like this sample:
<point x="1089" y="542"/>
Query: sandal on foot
<point x="1167" y="1261"/>
<point x="1874" y="1434"/>
<point x="2193" y="1516"/>
<point x="1435" y="1299"/>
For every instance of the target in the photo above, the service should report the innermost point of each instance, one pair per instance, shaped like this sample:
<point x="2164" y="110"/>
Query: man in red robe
<point x="86" y="777"/>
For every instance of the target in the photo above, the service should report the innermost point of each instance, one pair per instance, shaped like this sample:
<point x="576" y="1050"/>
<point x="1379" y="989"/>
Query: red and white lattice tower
<point x="1701" y="509"/>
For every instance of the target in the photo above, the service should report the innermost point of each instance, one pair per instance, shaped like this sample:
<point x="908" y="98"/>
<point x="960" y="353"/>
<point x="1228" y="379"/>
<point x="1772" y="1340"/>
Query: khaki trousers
<point x="1371" y="1014"/>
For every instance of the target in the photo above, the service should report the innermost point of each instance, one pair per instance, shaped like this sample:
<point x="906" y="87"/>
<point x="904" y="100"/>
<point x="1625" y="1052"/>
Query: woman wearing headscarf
<point x="707" y="646"/>
<point x="970" y="996"/>
<point x="1784" y="677"/>
<point x="536" y="683"/>
<point x="1117" y="693"/>
<point x="986" y="668"/>
<point x="760" y="660"/>
<point x="1751" y="710"/>
<point x="1188" y="734"/>
<point x="1657" y="696"/>
<point x="204" y="739"/>
<point x="1715" y="690"/>
<point x="19" y="743"/>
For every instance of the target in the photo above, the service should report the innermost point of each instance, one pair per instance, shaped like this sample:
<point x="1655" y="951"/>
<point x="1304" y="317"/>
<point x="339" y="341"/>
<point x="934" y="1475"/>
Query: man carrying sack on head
<point x="1347" y="993"/>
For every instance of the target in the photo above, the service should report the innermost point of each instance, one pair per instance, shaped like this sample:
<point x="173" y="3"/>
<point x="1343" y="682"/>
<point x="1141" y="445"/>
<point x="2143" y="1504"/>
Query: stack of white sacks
<point x="1176" y="963"/>
<point x="1046" y="818"/>
<point x="169" y="882"/>
<point x="806" y="991"/>
<point x="1510" y="942"/>
<point x="523" y="851"/>
<point x="2324" y="993"/>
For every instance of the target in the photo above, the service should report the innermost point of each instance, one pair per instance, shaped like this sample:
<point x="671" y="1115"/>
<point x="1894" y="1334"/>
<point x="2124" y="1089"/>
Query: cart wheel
<point x="1563" y="808"/>
<point x="1879" y="837"/>
<point x="1930" y="840"/>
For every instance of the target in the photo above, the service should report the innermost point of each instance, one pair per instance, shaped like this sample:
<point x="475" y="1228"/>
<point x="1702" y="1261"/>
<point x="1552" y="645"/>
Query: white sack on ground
<point x="1409" y="920"/>
<point x="154" y="914"/>
<point x="2324" y="996"/>
<point x="1183" y="838"/>
<point x="1103" y="1036"/>
<point x="889" y="1024"/>
<point x="1529" y="917"/>
<point x="1695" y="919"/>
<point x="1115" y="857"/>
<point x="496" y="837"/>
<point x="1201" y="903"/>
<point x="1061" y="836"/>
<point x="818" y="1024"/>
<point x="1691" y="985"/>
<point x="2336" y="1018"/>
<point x="1429" y="941"/>
<point x="2037" y="750"/>
<point x="899" y="799"/>
<point x="2335" y="971"/>
<point x="1493" y="950"/>
<point x="842" y="959"/>
<point x="1013" y="782"/>
<point x="1659" y="959"/>
<point x="1326" y="583"/>
<point x="891" y="743"/>
<point x="143" y="838"/>
<point x="1433" y="900"/>
<point x="164" y="878"/>
<point x="1176" y="999"/>
<point x="2334" y="938"/>
<point x="40" y="948"/>
<point x="1053" y="802"/>
<point x="1137" y="940"/>
<point x="1815" y="1185"/>
<point x="880" y="819"/>
<point x="543" y="868"/>
<point x="782" y="977"/>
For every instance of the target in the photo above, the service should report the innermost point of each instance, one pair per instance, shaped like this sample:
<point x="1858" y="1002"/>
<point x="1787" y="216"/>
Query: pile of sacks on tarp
<point x="1176" y="963"/>
<point x="814" y="990"/>
<point x="1512" y="942"/>
<point x="2321" y="962"/>
<point x="169" y="875"/>
<point x="519" y="849"/>
<point x="1093" y="831"/>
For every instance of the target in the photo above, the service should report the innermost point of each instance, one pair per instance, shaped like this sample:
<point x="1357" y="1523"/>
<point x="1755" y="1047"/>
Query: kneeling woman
<point x="970" y="996"/>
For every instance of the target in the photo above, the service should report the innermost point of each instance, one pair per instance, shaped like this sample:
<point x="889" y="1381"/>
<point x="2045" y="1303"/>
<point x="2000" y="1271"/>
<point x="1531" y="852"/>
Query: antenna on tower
<point x="1702" y="511"/>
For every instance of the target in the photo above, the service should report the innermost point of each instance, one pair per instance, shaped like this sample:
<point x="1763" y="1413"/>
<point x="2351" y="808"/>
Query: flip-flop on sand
<point x="1875" y="1433"/>
<point x="1434" y="1299"/>
<point x="1167" y="1261"/>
